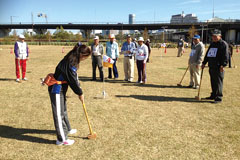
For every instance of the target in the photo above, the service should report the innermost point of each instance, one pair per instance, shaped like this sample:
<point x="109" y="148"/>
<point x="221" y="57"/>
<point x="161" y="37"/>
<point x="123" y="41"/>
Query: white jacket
<point x="142" y="53"/>
<point x="21" y="50"/>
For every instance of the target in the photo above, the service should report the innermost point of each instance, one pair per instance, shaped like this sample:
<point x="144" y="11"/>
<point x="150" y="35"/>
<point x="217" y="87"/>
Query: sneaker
<point x="25" y="79"/>
<point x="68" y="142"/>
<point x="141" y="82"/>
<point x="195" y="87"/>
<point x="18" y="80"/>
<point x="72" y="131"/>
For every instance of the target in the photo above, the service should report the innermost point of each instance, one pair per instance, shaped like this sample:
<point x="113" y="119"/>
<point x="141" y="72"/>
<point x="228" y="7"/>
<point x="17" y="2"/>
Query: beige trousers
<point x="128" y="66"/>
<point x="195" y="74"/>
<point x="180" y="51"/>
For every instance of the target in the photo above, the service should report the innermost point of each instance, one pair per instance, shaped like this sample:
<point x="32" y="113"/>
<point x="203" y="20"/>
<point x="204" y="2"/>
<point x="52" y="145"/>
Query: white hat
<point x="140" y="39"/>
<point x="148" y="40"/>
<point x="21" y="36"/>
<point x="96" y="37"/>
<point x="111" y="36"/>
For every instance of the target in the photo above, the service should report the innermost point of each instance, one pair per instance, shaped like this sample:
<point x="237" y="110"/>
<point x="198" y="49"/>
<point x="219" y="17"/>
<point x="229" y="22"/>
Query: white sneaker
<point x="141" y="82"/>
<point x="25" y="79"/>
<point x="18" y="80"/>
<point x="72" y="131"/>
<point x="67" y="142"/>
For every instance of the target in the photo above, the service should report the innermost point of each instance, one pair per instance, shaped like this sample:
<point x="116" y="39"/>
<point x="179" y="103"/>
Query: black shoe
<point x="217" y="101"/>
<point x="210" y="98"/>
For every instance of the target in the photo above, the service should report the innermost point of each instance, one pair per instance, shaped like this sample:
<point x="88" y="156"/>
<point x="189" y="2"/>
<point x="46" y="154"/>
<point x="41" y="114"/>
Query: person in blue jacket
<point x="112" y="51"/>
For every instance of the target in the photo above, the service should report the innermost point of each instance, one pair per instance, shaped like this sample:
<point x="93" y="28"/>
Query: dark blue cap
<point x="196" y="36"/>
<point x="216" y="32"/>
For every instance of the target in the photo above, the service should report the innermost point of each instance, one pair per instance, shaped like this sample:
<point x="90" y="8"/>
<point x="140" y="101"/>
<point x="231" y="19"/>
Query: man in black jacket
<point x="217" y="59"/>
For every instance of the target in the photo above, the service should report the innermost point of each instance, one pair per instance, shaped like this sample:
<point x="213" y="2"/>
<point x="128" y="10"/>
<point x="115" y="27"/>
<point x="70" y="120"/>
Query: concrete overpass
<point x="230" y="30"/>
<point x="121" y="26"/>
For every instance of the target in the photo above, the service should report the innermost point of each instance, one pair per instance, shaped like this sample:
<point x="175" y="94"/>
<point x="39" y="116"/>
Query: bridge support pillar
<point x="40" y="31"/>
<point x="4" y="32"/>
<point x="230" y="35"/>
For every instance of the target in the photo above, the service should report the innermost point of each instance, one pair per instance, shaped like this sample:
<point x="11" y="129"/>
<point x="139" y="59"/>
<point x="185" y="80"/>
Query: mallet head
<point x="198" y="98"/>
<point x="92" y="136"/>
<point x="179" y="85"/>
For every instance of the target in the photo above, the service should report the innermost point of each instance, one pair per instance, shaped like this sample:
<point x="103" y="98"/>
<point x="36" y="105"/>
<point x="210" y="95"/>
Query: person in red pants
<point x="21" y="57"/>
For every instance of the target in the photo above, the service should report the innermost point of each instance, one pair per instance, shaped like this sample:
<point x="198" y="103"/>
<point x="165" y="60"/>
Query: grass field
<point x="158" y="120"/>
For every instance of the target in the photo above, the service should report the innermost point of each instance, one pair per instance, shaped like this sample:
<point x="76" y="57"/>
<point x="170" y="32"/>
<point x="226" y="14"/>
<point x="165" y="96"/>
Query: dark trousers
<point x="230" y="61"/>
<point x="59" y="110"/>
<point x="141" y="67"/>
<point x="97" y="62"/>
<point x="115" y="71"/>
<point x="216" y="78"/>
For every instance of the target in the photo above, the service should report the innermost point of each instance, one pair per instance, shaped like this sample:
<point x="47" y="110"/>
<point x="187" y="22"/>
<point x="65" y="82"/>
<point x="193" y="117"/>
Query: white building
<point x="182" y="18"/>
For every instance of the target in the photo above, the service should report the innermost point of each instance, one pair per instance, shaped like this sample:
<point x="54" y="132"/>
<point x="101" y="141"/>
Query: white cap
<point x="111" y="36"/>
<point x="21" y="36"/>
<point x="148" y="40"/>
<point x="96" y="37"/>
<point x="140" y="39"/>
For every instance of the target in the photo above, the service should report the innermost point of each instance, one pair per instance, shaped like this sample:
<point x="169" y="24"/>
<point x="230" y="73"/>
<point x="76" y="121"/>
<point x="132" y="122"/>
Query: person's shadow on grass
<point x="20" y="134"/>
<point x="162" y="98"/>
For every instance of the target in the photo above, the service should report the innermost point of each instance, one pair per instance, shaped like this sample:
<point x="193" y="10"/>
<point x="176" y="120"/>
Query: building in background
<point x="131" y="20"/>
<point x="182" y="18"/>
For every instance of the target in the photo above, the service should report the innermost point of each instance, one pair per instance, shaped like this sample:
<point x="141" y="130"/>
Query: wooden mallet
<point x="199" y="89"/>
<point x="179" y="84"/>
<point x="92" y="134"/>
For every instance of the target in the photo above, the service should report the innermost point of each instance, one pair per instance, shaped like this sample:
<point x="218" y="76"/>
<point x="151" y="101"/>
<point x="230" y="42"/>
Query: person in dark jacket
<point x="149" y="49"/>
<point x="97" y="52"/>
<point x="230" y="51"/>
<point x="217" y="58"/>
<point x="66" y="75"/>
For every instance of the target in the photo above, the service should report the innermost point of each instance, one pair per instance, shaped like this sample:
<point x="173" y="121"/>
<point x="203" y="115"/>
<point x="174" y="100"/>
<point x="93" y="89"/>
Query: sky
<point x="112" y="11"/>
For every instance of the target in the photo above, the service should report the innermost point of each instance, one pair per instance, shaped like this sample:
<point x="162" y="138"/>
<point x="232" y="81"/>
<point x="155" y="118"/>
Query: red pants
<point x="20" y="64"/>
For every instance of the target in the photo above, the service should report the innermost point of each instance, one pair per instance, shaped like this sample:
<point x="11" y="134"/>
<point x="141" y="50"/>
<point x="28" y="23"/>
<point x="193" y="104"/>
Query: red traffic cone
<point x="11" y="50"/>
<point x="165" y="51"/>
<point x="62" y="49"/>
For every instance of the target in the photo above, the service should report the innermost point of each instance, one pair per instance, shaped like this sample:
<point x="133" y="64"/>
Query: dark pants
<point x="230" y="61"/>
<point x="59" y="110"/>
<point x="115" y="71"/>
<point x="97" y="62"/>
<point x="141" y="67"/>
<point x="216" y="78"/>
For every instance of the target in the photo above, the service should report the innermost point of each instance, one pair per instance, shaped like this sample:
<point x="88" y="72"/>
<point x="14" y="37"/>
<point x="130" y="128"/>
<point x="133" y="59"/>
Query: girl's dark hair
<point x="77" y="54"/>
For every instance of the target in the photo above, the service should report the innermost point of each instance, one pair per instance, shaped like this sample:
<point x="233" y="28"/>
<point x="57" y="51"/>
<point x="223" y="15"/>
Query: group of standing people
<point x="130" y="49"/>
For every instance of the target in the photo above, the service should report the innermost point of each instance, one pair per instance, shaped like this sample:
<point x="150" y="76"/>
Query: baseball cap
<point x="148" y="40"/>
<point x="96" y="37"/>
<point x="21" y="36"/>
<point x="140" y="39"/>
<point x="111" y="36"/>
<point x="216" y="32"/>
<point x="129" y="36"/>
<point x="196" y="36"/>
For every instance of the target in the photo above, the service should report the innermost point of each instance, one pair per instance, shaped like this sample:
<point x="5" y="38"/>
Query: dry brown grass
<point x="157" y="120"/>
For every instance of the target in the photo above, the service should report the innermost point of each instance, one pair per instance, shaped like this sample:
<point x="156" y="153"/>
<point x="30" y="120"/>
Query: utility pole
<point x="11" y="18"/>
<point x="213" y="10"/>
